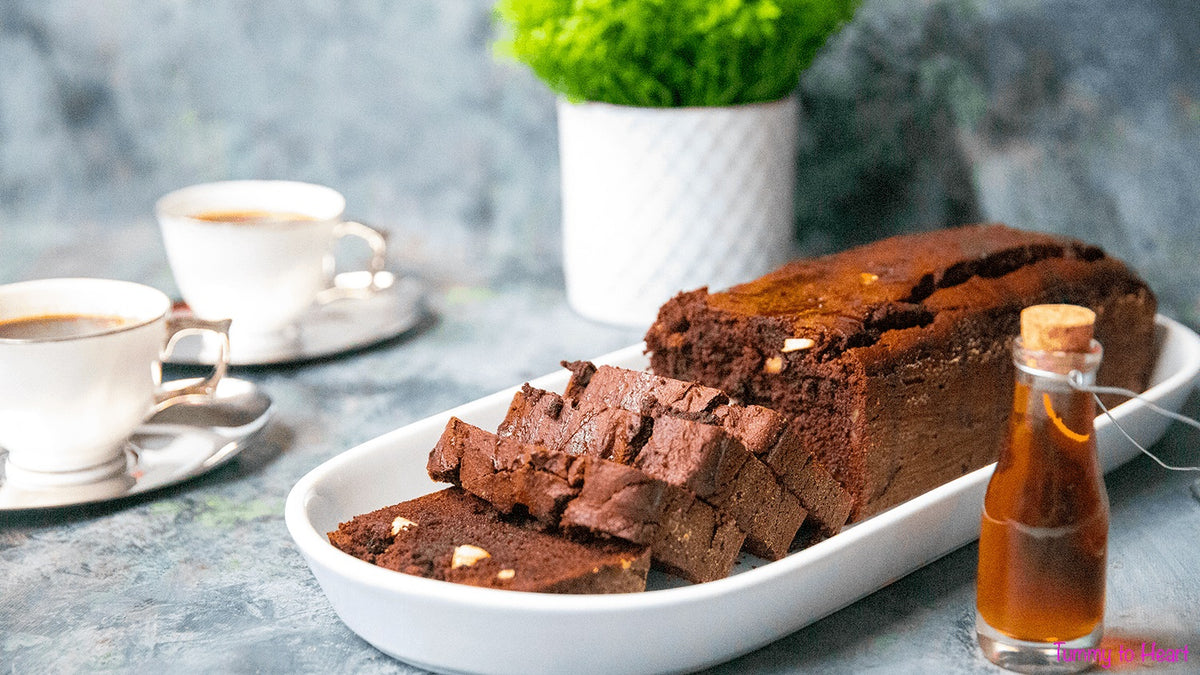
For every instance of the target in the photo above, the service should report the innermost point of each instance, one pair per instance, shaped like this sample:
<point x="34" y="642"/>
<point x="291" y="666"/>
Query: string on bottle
<point x="1076" y="381"/>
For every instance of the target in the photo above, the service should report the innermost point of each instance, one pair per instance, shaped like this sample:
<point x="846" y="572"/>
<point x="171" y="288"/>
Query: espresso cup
<point x="81" y="368"/>
<point x="257" y="252"/>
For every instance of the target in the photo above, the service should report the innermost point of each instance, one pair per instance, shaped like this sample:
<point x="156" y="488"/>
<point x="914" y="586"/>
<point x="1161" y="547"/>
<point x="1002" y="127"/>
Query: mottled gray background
<point x="1071" y="116"/>
<point x="1079" y="117"/>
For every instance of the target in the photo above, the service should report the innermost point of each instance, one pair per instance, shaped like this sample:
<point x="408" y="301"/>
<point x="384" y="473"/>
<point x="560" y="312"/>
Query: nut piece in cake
<point x="467" y="555"/>
<point x="797" y="344"/>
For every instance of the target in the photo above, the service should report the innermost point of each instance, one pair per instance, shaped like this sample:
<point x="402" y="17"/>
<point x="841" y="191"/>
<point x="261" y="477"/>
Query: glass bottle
<point x="1044" y="536"/>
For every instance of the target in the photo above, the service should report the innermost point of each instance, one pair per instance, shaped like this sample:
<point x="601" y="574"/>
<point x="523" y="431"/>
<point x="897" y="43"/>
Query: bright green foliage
<point x="669" y="52"/>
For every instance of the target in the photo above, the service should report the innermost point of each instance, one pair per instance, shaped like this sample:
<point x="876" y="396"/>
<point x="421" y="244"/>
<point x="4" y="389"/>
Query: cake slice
<point x="893" y="358"/>
<point x="455" y="536"/>
<point x="537" y="416"/>
<point x="764" y="432"/>
<point x="687" y="537"/>
<point x="703" y="459"/>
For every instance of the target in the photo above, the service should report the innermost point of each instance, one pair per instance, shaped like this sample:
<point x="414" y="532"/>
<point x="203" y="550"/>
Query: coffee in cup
<point x="57" y="326"/>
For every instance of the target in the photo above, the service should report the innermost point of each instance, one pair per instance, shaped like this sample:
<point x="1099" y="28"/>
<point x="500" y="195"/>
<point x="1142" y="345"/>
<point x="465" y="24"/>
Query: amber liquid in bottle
<point x="1044" y="535"/>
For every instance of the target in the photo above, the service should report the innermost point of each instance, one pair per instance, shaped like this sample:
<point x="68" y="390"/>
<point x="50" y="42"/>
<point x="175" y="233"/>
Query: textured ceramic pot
<point x="659" y="200"/>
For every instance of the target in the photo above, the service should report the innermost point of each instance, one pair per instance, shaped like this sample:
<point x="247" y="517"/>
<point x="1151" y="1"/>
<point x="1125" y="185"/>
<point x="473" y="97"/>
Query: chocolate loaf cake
<point x="893" y="358"/>
<point x="454" y="536"/>
<point x="687" y="537"/>
<point x="764" y="432"/>
<point x="700" y="458"/>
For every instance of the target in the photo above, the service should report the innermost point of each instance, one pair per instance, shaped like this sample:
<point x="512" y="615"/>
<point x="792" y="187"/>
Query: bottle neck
<point x="1055" y="371"/>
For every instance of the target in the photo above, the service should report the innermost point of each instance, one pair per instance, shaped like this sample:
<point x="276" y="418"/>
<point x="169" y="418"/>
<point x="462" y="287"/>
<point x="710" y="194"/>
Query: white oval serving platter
<point x="674" y="627"/>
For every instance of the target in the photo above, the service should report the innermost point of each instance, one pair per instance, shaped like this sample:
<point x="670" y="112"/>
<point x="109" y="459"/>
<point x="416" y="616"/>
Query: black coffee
<point x="250" y="216"/>
<point x="58" y="326"/>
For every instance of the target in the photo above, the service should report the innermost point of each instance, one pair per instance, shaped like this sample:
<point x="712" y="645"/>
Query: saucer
<point x="349" y="316"/>
<point x="181" y="442"/>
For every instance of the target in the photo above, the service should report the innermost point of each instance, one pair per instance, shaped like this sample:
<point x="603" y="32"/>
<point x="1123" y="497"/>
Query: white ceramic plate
<point x="454" y="628"/>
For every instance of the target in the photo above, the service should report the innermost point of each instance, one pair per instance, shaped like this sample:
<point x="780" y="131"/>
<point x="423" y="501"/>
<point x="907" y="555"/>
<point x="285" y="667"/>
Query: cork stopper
<point x="1057" y="328"/>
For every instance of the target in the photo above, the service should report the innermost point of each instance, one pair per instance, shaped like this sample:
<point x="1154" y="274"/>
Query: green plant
<point x="669" y="52"/>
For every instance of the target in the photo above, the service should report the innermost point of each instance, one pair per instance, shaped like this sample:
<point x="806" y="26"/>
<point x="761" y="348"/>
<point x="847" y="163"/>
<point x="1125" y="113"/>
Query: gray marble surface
<point x="1081" y="117"/>
<point x="203" y="577"/>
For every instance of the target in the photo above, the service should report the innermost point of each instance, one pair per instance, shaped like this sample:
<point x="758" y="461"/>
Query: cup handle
<point x="378" y="242"/>
<point x="179" y="391"/>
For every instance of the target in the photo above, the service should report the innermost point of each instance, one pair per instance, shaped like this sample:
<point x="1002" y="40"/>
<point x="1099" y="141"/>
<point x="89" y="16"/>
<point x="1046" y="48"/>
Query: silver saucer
<point x="348" y="317"/>
<point x="181" y="442"/>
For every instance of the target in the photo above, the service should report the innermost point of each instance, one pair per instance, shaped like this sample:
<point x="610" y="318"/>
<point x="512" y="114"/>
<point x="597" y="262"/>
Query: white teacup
<point x="258" y="252"/>
<point x="81" y="368"/>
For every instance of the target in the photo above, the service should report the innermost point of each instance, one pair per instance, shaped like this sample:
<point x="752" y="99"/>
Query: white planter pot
<point x="659" y="200"/>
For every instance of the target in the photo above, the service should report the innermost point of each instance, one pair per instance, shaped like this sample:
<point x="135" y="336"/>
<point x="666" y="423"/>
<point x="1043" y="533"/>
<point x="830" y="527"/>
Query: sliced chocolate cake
<point x="701" y="458"/>
<point x="454" y="536"/>
<point x="687" y="537"/>
<point x="764" y="432"/>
